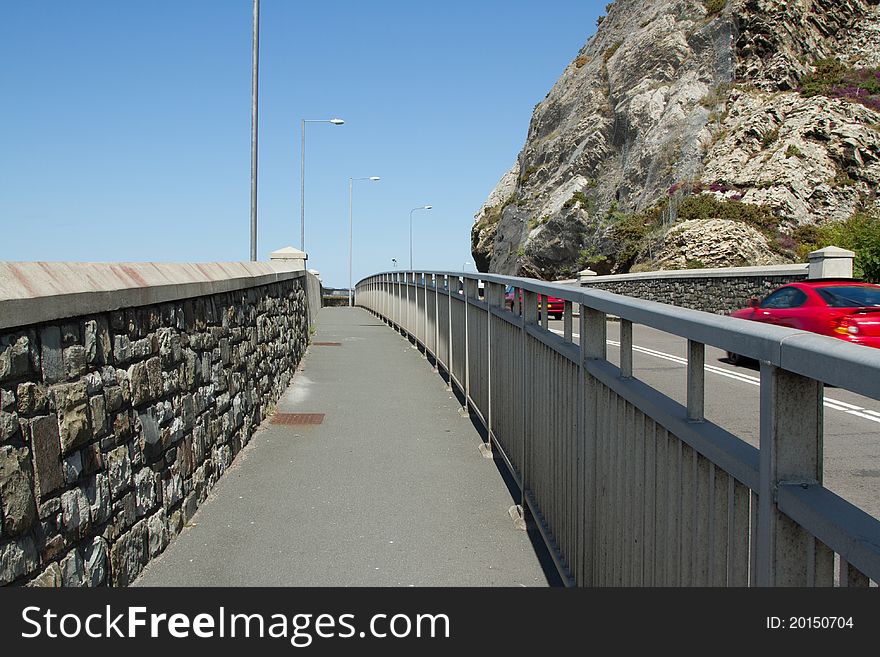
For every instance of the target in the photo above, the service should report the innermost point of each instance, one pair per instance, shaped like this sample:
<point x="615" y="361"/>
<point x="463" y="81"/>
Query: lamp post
<point x="394" y="262"/>
<point x="351" y="234"/>
<point x="255" y="76"/>
<point x="424" y="207"/>
<point x="465" y="264"/>
<point x="302" y="176"/>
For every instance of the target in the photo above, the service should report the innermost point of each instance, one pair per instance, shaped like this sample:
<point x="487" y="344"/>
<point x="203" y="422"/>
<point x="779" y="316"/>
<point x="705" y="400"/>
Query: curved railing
<point x="628" y="486"/>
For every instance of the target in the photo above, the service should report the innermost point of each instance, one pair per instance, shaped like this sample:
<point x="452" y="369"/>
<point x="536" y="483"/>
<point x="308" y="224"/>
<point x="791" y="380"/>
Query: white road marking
<point x="836" y="404"/>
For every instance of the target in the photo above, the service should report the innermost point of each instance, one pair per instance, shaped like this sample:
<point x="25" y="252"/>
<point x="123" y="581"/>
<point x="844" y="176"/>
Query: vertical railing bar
<point x="626" y="348"/>
<point x="567" y="321"/>
<point x="649" y="532"/>
<point x="754" y="502"/>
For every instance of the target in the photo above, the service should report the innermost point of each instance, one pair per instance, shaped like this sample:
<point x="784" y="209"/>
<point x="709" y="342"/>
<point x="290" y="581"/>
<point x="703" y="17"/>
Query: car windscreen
<point x="850" y="296"/>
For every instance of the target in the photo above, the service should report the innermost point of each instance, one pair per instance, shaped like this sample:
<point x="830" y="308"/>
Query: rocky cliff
<point x="691" y="132"/>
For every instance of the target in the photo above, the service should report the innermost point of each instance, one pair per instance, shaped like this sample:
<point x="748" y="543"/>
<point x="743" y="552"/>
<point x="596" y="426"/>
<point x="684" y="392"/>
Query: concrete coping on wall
<point x="35" y="292"/>
<point x="728" y="272"/>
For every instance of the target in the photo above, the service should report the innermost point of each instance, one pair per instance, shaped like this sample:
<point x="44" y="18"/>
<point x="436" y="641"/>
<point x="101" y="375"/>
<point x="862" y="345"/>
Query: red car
<point x="845" y="309"/>
<point x="555" y="306"/>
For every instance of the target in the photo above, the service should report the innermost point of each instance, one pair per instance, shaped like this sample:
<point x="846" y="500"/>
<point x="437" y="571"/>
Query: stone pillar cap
<point x="288" y="253"/>
<point x="831" y="252"/>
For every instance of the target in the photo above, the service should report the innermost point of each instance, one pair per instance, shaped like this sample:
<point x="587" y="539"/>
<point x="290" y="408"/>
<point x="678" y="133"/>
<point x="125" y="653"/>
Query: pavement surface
<point x="390" y="490"/>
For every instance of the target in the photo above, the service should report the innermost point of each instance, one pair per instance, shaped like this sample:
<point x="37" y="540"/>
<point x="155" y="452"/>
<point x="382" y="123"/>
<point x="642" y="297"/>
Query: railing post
<point x="494" y="302"/>
<point x="696" y="381"/>
<point x="449" y="365"/>
<point x="470" y="292"/>
<point x="791" y="454"/>
<point x="398" y="319"/>
<point x="530" y="318"/>
<point x="425" y="332"/>
<point x="435" y="278"/>
<point x="593" y="346"/>
<point x="545" y="315"/>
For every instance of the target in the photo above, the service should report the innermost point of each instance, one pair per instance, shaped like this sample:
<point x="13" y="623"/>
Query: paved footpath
<point x="390" y="490"/>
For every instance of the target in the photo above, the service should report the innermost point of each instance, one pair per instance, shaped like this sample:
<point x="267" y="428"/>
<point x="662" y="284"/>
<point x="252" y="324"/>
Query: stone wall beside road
<point x="717" y="291"/>
<point x="115" y="424"/>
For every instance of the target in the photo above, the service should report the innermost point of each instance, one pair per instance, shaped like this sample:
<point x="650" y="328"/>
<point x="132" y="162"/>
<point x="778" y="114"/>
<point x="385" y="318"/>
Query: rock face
<point x="714" y="243"/>
<point x="678" y="95"/>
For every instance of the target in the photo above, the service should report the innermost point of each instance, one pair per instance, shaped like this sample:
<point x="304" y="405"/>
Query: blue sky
<point x="125" y="125"/>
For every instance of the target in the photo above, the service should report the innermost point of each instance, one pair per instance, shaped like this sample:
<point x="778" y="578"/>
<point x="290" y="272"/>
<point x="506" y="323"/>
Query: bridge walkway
<point x="389" y="490"/>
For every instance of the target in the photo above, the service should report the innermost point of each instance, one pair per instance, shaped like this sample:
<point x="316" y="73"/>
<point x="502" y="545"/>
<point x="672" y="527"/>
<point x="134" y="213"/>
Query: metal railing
<point x="627" y="486"/>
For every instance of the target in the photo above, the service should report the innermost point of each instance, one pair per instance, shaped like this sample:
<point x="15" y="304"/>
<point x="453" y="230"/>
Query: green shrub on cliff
<point x="714" y="6"/>
<point x="860" y="234"/>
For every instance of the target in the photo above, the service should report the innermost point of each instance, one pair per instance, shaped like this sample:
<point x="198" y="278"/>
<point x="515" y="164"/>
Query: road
<point x="852" y="422"/>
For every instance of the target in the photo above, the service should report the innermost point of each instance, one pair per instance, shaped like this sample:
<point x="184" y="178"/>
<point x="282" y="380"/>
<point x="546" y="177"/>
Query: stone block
<point x="124" y="510"/>
<point x="73" y="569"/>
<point x="121" y="349"/>
<point x="158" y="532"/>
<point x="98" y="495"/>
<point x="154" y="377"/>
<point x="150" y="435"/>
<point x="46" y="450"/>
<point x="172" y="490"/>
<point x="19" y="510"/>
<point x="71" y="403"/>
<point x="139" y="384"/>
<point x="49" y="578"/>
<point x="146" y="485"/>
<point x="119" y="470"/>
<point x="74" y="358"/>
<point x="18" y="557"/>
<point x="129" y="554"/>
<point x="94" y="383"/>
<point x="32" y="398"/>
<point x="9" y="425"/>
<point x="75" y="513"/>
<point x="95" y="562"/>
<point x="15" y="360"/>
<point x="113" y="399"/>
<point x="190" y="506"/>
<point x="97" y="406"/>
<point x="50" y="354"/>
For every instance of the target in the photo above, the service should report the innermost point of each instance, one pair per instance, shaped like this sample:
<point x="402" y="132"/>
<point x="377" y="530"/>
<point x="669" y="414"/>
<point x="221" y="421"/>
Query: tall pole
<point x="350" y="235"/>
<point x="255" y="75"/>
<point x="424" y="207"/>
<point x="302" y="187"/>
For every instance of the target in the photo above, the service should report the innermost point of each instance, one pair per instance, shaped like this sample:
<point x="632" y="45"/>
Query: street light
<point x="464" y="265"/>
<point x="302" y="177"/>
<point x="255" y="77"/>
<point x="351" y="234"/>
<point x="424" y="207"/>
<point x="394" y="262"/>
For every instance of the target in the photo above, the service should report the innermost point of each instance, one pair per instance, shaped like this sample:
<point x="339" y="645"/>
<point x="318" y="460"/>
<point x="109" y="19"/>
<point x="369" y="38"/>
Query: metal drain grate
<point x="327" y="344"/>
<point x="298" y="418"/>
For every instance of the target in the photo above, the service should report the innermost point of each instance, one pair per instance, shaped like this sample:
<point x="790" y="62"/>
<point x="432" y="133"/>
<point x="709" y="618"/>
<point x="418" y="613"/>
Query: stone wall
<point x="115" y="425"/>
<point x="717" y="291"/>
